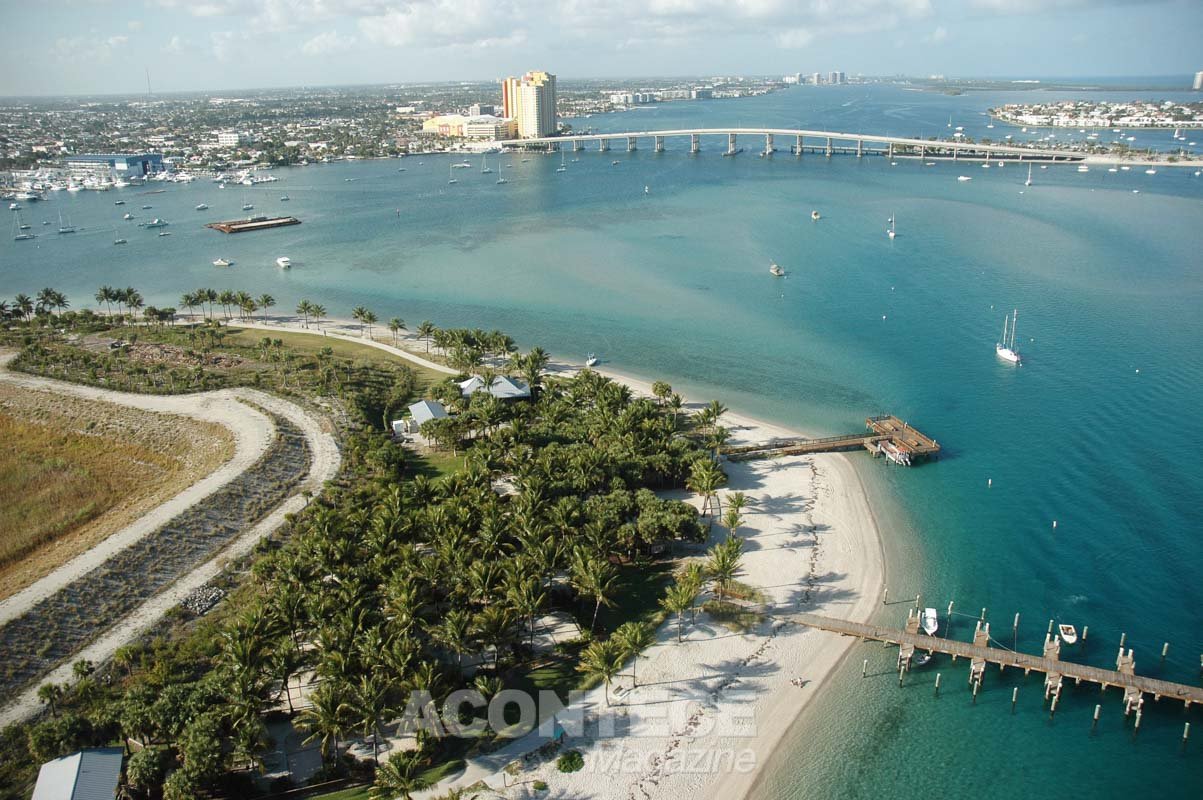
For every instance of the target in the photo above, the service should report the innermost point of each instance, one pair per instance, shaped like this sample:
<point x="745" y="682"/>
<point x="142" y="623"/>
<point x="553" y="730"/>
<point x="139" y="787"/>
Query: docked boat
<point x="1005" y="348"/>
<point x="1068" y="633"/>
<point x="222" y="262"/>
<point x="929" y="621"/>
<point x="921" y="659"/>
<point x="776" y="270"/>
<point x="591" y="360"/>
<point x="814" y="214"/>
<point x="283" y="262"/>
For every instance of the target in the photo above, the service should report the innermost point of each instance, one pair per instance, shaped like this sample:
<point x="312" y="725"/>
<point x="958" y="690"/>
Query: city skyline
<point x="104" y="48"/>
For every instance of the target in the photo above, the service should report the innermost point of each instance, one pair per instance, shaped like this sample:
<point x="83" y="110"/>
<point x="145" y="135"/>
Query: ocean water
<point x="1096" y="431"/>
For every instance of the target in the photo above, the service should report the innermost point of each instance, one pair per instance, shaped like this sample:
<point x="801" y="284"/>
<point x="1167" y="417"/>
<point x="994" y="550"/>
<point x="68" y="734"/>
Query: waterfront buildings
<point x="458" y="126"/>
<point x="229" y="138"/>
<point x="1103" y="114"/>
<point x="531" y="102"/>
<point x="1198" y="84"/>
<point x="108" y="166"/>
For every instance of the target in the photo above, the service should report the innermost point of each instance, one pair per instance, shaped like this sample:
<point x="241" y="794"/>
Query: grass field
<point x="55" y="480"/>
<point x="310" y="344"/>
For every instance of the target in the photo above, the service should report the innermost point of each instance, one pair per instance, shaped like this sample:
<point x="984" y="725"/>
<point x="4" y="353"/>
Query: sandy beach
<point x="709" y="711"/>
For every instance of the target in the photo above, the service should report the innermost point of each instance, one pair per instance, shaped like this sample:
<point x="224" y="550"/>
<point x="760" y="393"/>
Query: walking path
<point x="253" y="432"/>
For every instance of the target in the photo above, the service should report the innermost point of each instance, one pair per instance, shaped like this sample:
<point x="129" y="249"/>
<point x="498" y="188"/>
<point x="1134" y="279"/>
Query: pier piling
<point x="938" y="691"/>
<point x="864" y="669"/>
<point x="1014" y="698"/>
<point x="1098" y="709"/>
<point x="1165" y="649"/>
<point x="1186" y="732"/>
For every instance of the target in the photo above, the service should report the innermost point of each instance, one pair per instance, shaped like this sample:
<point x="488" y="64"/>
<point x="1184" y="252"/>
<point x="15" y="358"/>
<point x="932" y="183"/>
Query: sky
<point x="106" y="46"/>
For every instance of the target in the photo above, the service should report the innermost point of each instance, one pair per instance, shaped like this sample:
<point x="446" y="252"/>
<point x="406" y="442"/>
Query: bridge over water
<point x="826" y="143"/>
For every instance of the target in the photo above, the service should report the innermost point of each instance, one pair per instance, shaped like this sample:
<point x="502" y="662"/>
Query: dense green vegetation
<point x="391" y="581"/>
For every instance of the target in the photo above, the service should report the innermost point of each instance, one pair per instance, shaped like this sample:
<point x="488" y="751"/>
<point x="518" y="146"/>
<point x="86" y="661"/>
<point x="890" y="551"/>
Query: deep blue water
<point x="1095" y="431"/>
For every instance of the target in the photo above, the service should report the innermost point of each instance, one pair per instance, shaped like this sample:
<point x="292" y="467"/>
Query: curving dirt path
<point x="253" y="431"/>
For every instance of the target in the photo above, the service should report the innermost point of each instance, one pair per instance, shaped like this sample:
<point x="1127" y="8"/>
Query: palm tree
<point x="662" y="391"/>
<point x="134" y="301"/>
<point x="400" y="776"/>
<point x="396" y="325"/>
<point x="23" y="305"/>
<point x="455" y="633"/>
<point x="326" y="717"/>
<point x="704" y="479"/>
<point x="46" y="300"/>
<point x="189" y="301"/>
<point x="317" y="311"/>
<point x="678" y="599"/>
<point x="528" y="597"/>
<point x="368" y="705"/>
<point x="634" y="637"/>
<point x="265" y="301"/>
<point x="247" y="305"/>
<point x="532" y="367"/>
<point x="425" y="331"/>
<point x="303" y="308"/>
<point x="105" y="295"/>
<point x="724" y="564"/>
<point x="369" y="318"/>
<point x="596" y="578"/>
<point x="51" y="694"/>
<point x="602" y="660"/>
<point x="228" y="300"/>
<point x="732" y="520"/>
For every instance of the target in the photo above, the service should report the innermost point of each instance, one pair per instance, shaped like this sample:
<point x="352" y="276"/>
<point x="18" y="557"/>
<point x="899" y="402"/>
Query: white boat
<point x="890" y="230"/>
<point x="1150" y="171"/>
<point x="1125" y="168"/>
<point x="127" y="215"/>
<point x="814" y="214"/>
<point x="591" y="361"/>
<point x="118" y="239"/>
<point x="157" y="223"/>
<point x="929" y="621"/>
<point x="283" y="262"/>
<point x="484" y="165"/>
<point x="562" y="167"/>
<point x="451" y="178"/>
<point x="283" y="198"/>
<point x="776" y="270"/>
<point x="964" y="178"/>
<point x="201" y="207"/>
<point x="119" y="203"/>
<point x="164" y="233"/>
<point x="1068" y="633"/>
<point x="64" y="228"/>
<point x="647" y="189"/>
<point x="1028" y="182"/>
<point x="14" y="206"/>
<point x="1083" y="168"/>
<point x="20" y="231"/>
<point x="248" y="207"/>
<point x="1005" y="348"/>
<point x="222" y="262"/>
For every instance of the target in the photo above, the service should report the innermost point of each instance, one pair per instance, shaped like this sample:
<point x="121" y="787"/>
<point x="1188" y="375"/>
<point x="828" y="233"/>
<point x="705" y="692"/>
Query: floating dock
<point x="979" y="653"/>
<point x="886" y="436"/>
<point x="252" y="224"/>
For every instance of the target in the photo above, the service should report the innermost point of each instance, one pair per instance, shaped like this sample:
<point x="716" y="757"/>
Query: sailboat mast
<point x="1014" y="319"/>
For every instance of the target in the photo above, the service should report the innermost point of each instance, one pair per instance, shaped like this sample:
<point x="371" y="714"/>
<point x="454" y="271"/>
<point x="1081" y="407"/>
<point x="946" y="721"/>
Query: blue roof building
<point x="86" y="775"/>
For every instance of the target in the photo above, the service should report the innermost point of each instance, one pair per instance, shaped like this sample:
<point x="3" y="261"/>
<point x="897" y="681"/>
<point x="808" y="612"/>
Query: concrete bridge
<point x="826" y="143"/>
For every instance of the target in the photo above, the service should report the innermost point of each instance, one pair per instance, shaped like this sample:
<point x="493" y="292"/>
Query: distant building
<point x="531" y="102"/>
<point x="86" y="775"/>
<point x="702" y="94"/>
<point x="115" y="165"/>
<point x="1198" y="84"/>
<point x="481" y="110"/>
<point x="836" y="78"/>
<point x="457" y="126"/>
<point x="503" y="388"/>
<point x="816" y="78"/>
<point x="229" y="138"/>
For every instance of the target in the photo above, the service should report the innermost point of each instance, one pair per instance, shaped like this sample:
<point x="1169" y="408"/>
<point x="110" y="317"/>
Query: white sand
<point x="811" y="544"/>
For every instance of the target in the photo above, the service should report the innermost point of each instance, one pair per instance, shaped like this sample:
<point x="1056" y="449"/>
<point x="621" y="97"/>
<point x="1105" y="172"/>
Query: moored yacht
<point x="1005" y="348"/>
<point x="222" y="262"/>
<point x="283" y="262"/>
<point x="930" y="621"/>
<point x="591" y="360"/>
<point x="776" y="270"/>
<point x="1068" y="634"/>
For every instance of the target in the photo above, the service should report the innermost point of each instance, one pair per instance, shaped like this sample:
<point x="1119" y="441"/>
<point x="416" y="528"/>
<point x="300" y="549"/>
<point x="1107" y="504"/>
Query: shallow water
<point x="1091" y="432"/>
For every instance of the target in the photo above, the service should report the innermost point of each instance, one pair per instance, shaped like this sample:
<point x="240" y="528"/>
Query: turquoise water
<point x="674" y="283"/>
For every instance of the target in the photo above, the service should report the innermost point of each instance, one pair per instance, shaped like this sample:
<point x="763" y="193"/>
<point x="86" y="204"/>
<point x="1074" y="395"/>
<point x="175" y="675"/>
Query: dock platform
<point x="1134" y="686"/>
<point x="252" y="224"/>
<point x="886" y="436"/>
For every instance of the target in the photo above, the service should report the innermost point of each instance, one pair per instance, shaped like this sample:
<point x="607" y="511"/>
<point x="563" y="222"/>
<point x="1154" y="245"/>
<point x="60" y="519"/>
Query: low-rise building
<point x="86" y="775"/>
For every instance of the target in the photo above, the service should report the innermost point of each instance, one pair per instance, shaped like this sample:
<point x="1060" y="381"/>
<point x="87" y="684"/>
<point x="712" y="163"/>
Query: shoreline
<point x="811" y="542"/>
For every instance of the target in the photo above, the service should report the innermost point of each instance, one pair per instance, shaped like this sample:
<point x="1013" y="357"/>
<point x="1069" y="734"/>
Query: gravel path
<point x="304" y="445"/>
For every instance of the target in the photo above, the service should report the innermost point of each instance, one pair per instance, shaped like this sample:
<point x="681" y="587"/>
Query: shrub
<point x="540" y="786"/>
<point x="572" y="761"/>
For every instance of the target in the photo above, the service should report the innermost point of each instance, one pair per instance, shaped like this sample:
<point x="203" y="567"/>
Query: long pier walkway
<point x="885" y="435"/>
<point x="1134" y="686"/>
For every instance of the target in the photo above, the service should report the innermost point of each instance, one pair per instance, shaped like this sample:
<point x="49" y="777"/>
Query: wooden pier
<point x="979" y="653"/>
<point x="252" y="224"/>
<point x="886" y="436"/>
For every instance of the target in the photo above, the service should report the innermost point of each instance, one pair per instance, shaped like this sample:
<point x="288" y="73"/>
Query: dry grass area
<point x="74" y="471"/>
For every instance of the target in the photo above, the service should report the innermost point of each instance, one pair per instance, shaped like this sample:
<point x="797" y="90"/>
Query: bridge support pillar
<point x="829" y="147"/>
<point x="695" y="143"/>
<point x="730" y="144"/>
<point x="631" y="146"/>
<point x="577" y="145"/>
<point x="768" y="144"/>
<point x="659" y="144"/>
<point x="860" y="147"/>
<point x="955" y="152"/>
<point x="603" y="145"/>
<point x="798" y="145"/>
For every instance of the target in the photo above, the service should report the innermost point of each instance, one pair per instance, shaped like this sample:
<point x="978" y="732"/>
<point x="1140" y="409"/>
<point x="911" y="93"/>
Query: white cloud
<point x="327" y="43"/>
<point x="175" y="44"/>
<point x="88" y="48"/>
<point x="940" y="34"/>
<point x="794" y="38"/>
<point x="224" y="43"/>
<point x="445" y="23"/>
<point x="134" y="24"/>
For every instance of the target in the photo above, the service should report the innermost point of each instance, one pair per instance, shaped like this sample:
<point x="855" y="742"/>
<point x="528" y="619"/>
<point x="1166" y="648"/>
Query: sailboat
<point x="67" y="228"/>
<point x="117" y="239"/>
<point x="1028" y="182"/>
<point x="950" y="120"/>
<point x="890" y="231"/>
<point x="562" y="167"/>
<point x="450" y="175"/>
<point x="484" y="165"/>
<point x="1005" y="349"/>
<point x="20" y="232"/>
<point x="247" y="205"/>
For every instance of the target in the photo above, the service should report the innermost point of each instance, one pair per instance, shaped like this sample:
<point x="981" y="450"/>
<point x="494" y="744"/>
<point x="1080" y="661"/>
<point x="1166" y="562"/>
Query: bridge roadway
<point x="1006" y="658"/>
<point x="829" y="140"/>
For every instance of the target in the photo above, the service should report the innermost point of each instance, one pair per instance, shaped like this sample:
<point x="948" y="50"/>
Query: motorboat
<point x="222" y="262"/>
<point x="1005" y="348"/>
<point x="119" y="203"/>
<point x="201" y="207"/>
<point x="283" y="262"/>
<point x="890" y="230"/>
<point x="157" y="223"/>
<point x="164" y="233"/>
<point x="283" y="198"/>
<point x="146" y="208"/>
<point x="921" y="659"/>
<point x="964" y="178"/>
<point x="814" y="214"/>
<point x="1083" y="168"/>
<point x="1150" y="171"/>
<point x="1068" y="634"/>
<point x="929" y="621"/>
<point x="776" y="270"/>
<point x="591" y="360"/>
<point x="127" y="215"/>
